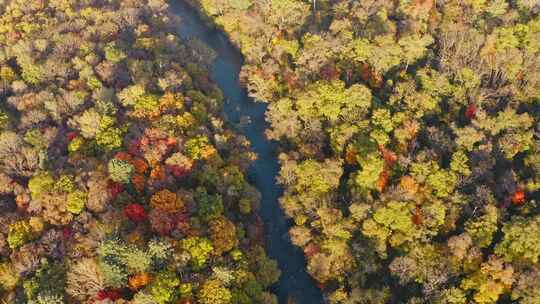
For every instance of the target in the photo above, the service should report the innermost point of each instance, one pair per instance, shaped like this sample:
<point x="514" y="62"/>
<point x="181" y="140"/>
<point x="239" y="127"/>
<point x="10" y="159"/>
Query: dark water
<point x="294" y="281"/>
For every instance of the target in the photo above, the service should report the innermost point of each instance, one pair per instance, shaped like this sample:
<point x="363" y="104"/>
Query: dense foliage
<point x="410" y="142"/>
<point x="119" y="180"/>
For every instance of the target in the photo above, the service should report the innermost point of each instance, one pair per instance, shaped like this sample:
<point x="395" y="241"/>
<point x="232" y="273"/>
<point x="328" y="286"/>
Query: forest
<point x="410" y="141"/>
<point x="120" y="181"/>
<point x="409" y="151"/>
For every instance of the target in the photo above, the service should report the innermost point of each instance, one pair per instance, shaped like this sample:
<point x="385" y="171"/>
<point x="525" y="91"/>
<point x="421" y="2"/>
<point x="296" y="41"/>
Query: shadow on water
<point x="294" y="281"/>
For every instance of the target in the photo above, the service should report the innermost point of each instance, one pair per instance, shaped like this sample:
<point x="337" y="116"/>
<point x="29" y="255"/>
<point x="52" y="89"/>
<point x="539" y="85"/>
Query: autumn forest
<point x="406" y="135"/>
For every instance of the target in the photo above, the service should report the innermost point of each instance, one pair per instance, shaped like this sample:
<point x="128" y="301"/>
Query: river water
<point x="294" y="280"/>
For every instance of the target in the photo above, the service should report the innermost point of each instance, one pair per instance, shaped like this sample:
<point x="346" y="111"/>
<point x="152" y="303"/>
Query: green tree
<point x="521" y="240"/>
<point x="40" y="183"/>
<point x="265" y="269"/>
<point x="113" y="53"/>
<point x="209" y="206"/>
<point x="164" y="288"/>
<point x="19" y="233"/>
<point x="459" y="164"/>
<point x="76" y="201"/>
<point x="286" y="14"/>
<point x="372" y="165"/>
<point x="493" y="279"/>
<point x="390" y="224"/>
<point x="316" y="177"/>
<point x="483" y="228"/>
<point x="331" y="100"/>
<point x="120" y="171"/>
<point x="199" y="249"/>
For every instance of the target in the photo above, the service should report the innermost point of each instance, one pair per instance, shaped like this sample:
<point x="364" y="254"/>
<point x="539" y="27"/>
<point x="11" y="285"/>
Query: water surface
<point x="294" y="281"/>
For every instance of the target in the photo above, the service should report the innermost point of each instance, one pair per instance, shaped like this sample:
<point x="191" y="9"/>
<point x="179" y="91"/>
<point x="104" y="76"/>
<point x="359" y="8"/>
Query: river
<point x="294" y="281"/>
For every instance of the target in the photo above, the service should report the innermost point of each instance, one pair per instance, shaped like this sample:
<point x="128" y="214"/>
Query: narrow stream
<point x="294" y="281"/>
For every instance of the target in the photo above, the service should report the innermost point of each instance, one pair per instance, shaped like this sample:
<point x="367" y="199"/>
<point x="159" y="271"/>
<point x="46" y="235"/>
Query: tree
<point x="167" y="200"/>
<point x="265" y="269"/>
<point x="164" y="288"/>
<point x="47" y="299"/>
<point x="212" y="292"/>
<point x="218" y="7"/>
<point x="84" y="279"/>
<point x="483" y="228"/>
<point x="47" y="283"/>
<point x="317" y="51"/>
<point x="521" y="240"/>
<point x="493" y="279"/>
<point x="9" y="278"/>
<point x="391" y="223"/>
<point x="525" y="287"/>
<point x="300" y="236"/>
<point x="453" y="296"/>
<point x="284" y="119"/>
<point x="19" y="233"/>
<point x="223" y="235"/>
<point x="424" y="264"/>
<point x="286" y="14"/>
<point x="15" y="157"/>
<point x="315" y="177"/>
<point x="334" y="261"/>
<point x="109" y="137"/>
<point x="209" y="206"/>
<point x="39" y="184"/>
<point x="120" y="170"/>
<point x="76" y="201"/>
<point x="372" y="165"/>
<point x="199" y="148"/>
<point x="331" y="100"/>
<point x="199" y="249"/>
